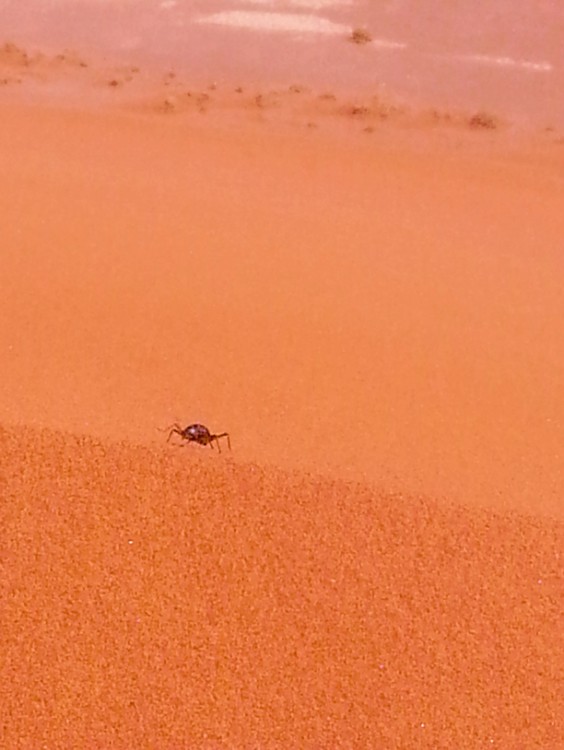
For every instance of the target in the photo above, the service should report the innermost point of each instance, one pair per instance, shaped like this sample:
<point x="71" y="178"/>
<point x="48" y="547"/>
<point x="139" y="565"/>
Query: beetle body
<point x="198" y="433"/>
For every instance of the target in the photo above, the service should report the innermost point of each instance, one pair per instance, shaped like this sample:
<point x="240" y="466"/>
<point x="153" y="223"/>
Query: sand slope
<point x="337" y="303"/>
<point x="168" y="599"/>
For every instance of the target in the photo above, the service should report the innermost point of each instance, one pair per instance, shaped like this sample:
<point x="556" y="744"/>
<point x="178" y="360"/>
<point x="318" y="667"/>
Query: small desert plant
<point x="360" y="36"/>
<point x="10" y="54"/>
<point x="170" y="104"/>
<point x="484" y="121"/>
<point x="358" y="110"/>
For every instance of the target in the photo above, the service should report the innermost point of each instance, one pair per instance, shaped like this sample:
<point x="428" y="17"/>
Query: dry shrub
<point x="170" y="104"/>
<point x="360" y="36"/>
<point x="440" y="116"/>
<point x="483" y="121"/>
<point x="358" y="110"/>
<point x="11" y="54"/>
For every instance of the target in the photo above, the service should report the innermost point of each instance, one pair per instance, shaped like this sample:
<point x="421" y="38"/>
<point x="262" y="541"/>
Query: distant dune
<point x="499" y="55"/>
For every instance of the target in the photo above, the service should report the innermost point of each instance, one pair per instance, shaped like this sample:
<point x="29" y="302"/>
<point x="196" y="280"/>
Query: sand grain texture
<point x="159" y="600"/>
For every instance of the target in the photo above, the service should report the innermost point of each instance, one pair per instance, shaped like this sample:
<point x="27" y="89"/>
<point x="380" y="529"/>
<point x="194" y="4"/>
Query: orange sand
<point x="372" y="306"/>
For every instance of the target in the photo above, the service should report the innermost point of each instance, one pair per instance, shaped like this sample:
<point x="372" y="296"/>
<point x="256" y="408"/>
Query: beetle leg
<point x="222" y="435"/>
<point x="174" y="429"/>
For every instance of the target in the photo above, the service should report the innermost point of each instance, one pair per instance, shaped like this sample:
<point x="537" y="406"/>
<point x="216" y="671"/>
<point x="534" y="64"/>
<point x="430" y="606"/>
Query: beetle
<point x="197" y="433"/>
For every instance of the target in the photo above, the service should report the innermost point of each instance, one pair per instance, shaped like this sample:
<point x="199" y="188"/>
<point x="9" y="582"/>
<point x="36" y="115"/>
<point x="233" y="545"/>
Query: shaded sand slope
<point x="338" y="304"/>
<point x="173" y="599"/>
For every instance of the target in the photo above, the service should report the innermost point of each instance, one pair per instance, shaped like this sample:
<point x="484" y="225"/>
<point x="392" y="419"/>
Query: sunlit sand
<point x="281" y="415"/>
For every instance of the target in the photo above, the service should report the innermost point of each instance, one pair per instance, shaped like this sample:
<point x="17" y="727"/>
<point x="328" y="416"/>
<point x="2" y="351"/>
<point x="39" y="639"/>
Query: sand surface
<point x="368" y="297"/>
<point x="159" y="600"/>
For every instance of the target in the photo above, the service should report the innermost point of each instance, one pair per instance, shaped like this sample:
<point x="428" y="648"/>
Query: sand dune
<point x="387" y="308"/>
<point x="168" y="599"/>
<point x="494" y="55"/>
<point x="368" y="298"/>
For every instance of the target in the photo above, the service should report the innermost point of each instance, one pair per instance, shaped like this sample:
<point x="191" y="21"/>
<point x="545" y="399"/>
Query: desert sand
<point x="368" y="298"/>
